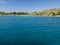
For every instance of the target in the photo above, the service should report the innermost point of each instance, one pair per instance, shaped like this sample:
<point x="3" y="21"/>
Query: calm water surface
<point x="29" y="30"/>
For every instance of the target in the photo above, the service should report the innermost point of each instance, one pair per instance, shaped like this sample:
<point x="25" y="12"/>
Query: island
<point x="50" y="12"/>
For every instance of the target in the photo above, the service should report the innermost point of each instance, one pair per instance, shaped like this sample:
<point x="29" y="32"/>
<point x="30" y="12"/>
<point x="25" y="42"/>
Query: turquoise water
<point x="29" y="30"/>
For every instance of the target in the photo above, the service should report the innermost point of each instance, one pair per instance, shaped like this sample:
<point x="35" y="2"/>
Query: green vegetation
<point x="50" y="12"/>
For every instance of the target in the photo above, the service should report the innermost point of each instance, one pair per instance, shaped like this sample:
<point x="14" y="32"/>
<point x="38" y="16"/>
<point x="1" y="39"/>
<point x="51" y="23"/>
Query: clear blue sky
<point x="28" y="5"/>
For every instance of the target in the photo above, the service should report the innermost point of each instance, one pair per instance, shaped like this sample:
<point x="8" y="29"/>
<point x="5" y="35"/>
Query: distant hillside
<point x="50" y="12"/>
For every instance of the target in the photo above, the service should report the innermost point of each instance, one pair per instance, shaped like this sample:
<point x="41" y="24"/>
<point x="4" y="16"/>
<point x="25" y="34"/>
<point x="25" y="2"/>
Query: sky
<point x="28" y="5"/>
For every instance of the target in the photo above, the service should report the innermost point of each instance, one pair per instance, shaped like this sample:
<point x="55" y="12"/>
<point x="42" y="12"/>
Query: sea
<point x="29" y="30"/>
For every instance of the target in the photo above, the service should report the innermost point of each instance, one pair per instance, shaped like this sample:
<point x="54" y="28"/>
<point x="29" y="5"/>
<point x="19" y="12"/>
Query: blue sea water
<point x="29" y="30"/>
